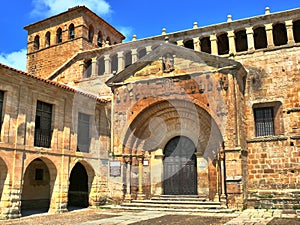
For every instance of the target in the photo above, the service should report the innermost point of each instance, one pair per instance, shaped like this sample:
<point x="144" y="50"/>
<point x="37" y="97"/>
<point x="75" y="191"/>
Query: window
<point x="260" y="38"/>
<point x="88" y="68"/>
<point x="43" y="123"/>
<point x="279" y="34"/>
<point x="83" y="133"/>
<point x="264" y="121"/>
<point x="47" y="39"/>
<point x="1" y="107"/>
<point x="223" y="44"/>
<point x="71" y="31"/>
<point x="39" y="174"/>
<point x="99" y="39"/>
<point x="59" y="35"/>
<point x="91" y="34"/>
<point x="37" y="42"/>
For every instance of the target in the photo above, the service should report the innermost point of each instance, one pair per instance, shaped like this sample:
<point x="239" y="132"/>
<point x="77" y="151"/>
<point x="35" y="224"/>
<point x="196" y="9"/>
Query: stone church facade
<point x="211" y="111"/>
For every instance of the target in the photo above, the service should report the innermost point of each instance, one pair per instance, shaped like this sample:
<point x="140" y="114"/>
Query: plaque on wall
<point x="115" y="168"/>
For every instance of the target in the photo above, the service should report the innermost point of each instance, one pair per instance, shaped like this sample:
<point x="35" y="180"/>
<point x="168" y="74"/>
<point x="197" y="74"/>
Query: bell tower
<point x="54" y="40"/>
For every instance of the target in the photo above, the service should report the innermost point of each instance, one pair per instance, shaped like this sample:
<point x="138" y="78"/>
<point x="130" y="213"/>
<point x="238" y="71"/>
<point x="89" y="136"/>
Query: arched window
<point x="114" y="63"/>
<point x="205" y="45"/>
<point x="101" y="66"/>
<point x="91" y="34"/>
<point x="241" y="41"/>
<point x="36" y="42"/>
<point x="223" y="44"/>
<point x="260" y="38"/>
<point x="189" y="44"/>
<point x="59" y="35"/>
<point x="99" y="39"/>
<point x="128" y="59"/>
<point x="88" y="67"/>
<point x="47" y="39"/>
<point x="279" y="34"/>
<point x="71" y="31"/>
<point x="141" y="53"/>
<point x="296" y="30"/>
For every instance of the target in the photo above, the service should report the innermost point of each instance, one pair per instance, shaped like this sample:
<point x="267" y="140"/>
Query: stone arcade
<point x="211" y="112"/>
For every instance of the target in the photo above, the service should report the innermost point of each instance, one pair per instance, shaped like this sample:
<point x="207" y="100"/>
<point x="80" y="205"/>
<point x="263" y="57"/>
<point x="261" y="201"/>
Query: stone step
<point x="180" y="198"/>
<point x="177" y="201"/>
<point x="168" y="209"/>
<point x="176" y="205"/>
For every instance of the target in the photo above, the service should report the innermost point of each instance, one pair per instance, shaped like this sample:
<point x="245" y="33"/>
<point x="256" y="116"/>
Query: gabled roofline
<point x="76" y="8"/>
<point x="53" y="83"/>
<point x="225" y="63"/>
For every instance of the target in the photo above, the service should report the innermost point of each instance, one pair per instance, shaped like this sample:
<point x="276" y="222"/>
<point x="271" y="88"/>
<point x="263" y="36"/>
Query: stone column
<point x="214" y="45"/>
<point x="289" y="30"/>
<point x="94" y="67"/>
<point x="197" y="44"/>
<point x="250" y="38"/>
<point x="107" y="64"/>
<point x="232" y="49"/>
<point x="121" y="61"/>
<point x="148" y="49"/>
<point x="223" y="197"/>
<point x="156" y="171"/>
<point x="180" y="43"/>
<point x="217" y="196"/>
<point x="269" y="32"/>
<point x="140" y="195"/>
<point x="202" y="176"/>
<point x="134" y="55"/>
<point x="128" y="179"/>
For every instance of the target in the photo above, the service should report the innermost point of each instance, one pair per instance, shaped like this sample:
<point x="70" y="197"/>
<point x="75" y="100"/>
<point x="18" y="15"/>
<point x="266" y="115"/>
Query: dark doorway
<point x="78" y="195"/>
<point x="180" y="167"/>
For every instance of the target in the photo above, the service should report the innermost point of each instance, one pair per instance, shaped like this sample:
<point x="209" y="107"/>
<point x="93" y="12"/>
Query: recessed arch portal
<point x="180" y="167"/>
<point x="38" y="185"/>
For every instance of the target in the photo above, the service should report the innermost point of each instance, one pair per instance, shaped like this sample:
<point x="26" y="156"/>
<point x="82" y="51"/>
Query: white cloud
<point x="16" y="59"/>
<point x="47" y="8"/>
<point x="126" y="31"/>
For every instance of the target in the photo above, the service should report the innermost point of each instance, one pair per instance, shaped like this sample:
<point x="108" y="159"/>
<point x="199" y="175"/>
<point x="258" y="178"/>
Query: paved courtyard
<point x="123" y="217"/>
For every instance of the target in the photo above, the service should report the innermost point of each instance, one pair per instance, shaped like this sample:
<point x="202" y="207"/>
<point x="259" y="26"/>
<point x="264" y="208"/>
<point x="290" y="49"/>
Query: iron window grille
<point x="264" y="121"/>
<point x="43" y="125"/>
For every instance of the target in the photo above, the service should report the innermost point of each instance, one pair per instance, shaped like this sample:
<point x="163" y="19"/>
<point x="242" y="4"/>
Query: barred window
<point x="43" y="123"/>
<point x="1" y="107"/>
<point x="83" y="133"/>
<point x="264" y="121"/>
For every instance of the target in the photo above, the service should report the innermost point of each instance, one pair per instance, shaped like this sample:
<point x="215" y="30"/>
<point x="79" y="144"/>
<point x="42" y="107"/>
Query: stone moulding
<point x="268" y="139"/>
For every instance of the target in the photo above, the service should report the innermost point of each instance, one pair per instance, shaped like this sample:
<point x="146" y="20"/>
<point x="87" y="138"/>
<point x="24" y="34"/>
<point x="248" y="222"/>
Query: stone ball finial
<point x="195" y="25"/>
<point x="134" y="37"/>
<point x="164" y="31"/>
<point x="229" y="18"/>
<point x="267" y="10"/>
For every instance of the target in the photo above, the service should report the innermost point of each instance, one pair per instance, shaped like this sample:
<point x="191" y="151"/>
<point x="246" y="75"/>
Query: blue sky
<point x="143" y="18"/>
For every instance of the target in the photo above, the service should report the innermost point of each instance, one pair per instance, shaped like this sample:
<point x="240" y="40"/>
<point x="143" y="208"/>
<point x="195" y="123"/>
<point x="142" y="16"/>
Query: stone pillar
<point x="180" y="43"/>
<point x="148" y="49"/>
<point x="214" y="45"/>
<point x="140" y="195"/>
<point x="94" y="67"/>
<point x="269" y="32"/>
<point x="107" y="64"/>
<point x="128" y="179"/>
<point x="121" y="61"/>
<point x="156" y="172"/>
<point x="134" y="55"/>
<point x="250" y="38"/>
<point x="202" y="176"/>
<point x="232" y="49"/>
<point x="289" y="30"/>
<point x="197" y="44"/>
<point x="223" y="197"/>
<point x="217" y="196"/>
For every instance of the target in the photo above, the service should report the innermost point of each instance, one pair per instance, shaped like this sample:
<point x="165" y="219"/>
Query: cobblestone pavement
<point x="123" y="217"/>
